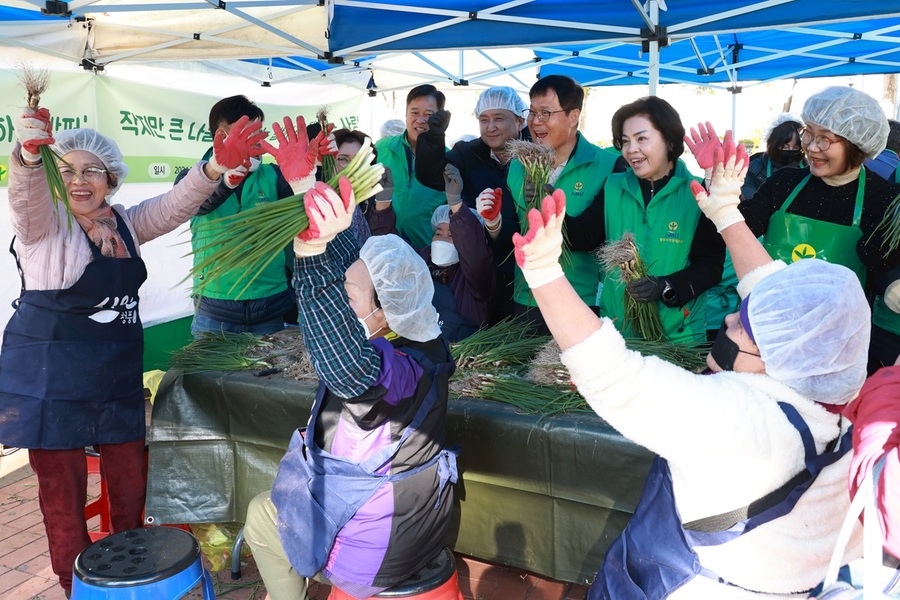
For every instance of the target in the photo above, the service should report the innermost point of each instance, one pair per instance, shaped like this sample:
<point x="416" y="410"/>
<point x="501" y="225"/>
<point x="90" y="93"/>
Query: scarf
<point x="100" y="227"/>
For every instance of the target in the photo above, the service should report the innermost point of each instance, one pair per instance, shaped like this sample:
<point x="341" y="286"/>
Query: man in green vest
<point x="262" y="308"/>
<point x="580" y="169"/>
<point x="413" y="203"/>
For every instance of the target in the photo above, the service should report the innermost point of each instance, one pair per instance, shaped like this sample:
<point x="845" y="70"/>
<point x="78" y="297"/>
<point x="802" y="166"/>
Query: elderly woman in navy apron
<point x="71" y="361"/>
<point x="363" y="496"/>
<point x="832" y="210"/>
<point x="748" y="491"/>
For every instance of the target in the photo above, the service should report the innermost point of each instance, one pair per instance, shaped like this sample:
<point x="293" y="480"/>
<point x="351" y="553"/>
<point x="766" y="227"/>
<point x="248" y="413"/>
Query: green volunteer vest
<point x="663" y="233"/>
<point x="792" y="237"/>
<point x="414" y="203"/>
<point x="882" y="316"/>
<point x="259" y="187"/>
<point x="581" y="179"/>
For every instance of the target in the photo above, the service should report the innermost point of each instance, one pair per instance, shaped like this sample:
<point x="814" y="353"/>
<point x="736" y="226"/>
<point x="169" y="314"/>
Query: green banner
<point x="159" y="130"/>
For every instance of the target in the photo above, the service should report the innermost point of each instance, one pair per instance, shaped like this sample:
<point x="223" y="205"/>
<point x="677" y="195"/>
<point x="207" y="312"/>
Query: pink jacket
<point x="54" y="257"/>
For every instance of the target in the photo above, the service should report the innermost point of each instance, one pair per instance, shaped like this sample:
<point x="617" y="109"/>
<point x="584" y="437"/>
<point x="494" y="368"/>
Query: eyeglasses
<point x="87" y="174"/>
<point x="823" y="143"/>
<point x="541" y="115"/>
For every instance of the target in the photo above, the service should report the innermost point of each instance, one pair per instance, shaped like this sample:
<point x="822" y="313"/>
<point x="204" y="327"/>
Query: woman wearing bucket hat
<point x="748" y="493"/>
<point x="832" y="211"/>
<point x="72" y="358"/>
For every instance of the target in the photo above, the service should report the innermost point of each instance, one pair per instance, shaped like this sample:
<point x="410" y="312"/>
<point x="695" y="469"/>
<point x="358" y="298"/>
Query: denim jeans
<point x="203" y="323"/>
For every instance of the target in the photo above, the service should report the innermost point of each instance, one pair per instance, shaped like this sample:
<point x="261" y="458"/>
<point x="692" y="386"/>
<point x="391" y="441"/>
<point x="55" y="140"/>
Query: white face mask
<point x="362" y="321"/>
<point x="254" y="163"/>
<point x="443" y="254"/>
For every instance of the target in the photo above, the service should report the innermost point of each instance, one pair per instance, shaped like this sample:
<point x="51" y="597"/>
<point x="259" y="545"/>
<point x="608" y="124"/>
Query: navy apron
<point x="655" y="555"/>
<point x="71" y="364"/>
<point x="316" y="493"/>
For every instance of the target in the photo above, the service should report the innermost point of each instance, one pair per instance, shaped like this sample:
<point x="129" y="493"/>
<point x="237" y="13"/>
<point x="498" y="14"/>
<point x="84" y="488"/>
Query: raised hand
<point x="703" y="142"/>
<point x="33" y="130"/>
<point x="488" y="204"/>
<point x="294" y="154"/>
<point x="235" y="149"/>
<point x="329" y="213"/>
<point x="453" y="184"/>
<point x="720" y="204"/>
<point x="439" y="121"/>
<point x="538" y="251"/>
<point x="234" y="177"/>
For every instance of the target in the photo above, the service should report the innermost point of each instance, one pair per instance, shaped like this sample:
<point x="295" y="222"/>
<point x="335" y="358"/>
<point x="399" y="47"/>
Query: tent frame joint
<point x="56" y="8"/>
<point x="658" y="34"/>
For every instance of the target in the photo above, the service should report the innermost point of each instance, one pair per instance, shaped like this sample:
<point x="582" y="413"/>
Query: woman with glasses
<point x="71" y="365"/>
<point x="832" y="211"/>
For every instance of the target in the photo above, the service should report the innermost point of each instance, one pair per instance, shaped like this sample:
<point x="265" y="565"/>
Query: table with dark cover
<point x="545" y="495"/>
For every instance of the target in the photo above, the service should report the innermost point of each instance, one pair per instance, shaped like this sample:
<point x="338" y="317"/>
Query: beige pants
<point x="261" y="534"/>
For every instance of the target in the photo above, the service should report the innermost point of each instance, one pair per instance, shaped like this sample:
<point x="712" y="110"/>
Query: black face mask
<point x="725" y="350"/>
<point x="791" y="157"/>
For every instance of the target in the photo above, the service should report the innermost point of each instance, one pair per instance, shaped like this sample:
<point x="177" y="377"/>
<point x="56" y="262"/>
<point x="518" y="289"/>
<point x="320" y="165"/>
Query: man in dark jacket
<point x="483" y="164"/>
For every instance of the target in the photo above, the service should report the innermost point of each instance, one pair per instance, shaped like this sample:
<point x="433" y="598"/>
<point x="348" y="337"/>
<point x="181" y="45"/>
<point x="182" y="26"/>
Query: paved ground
<point x="25" y="565"/>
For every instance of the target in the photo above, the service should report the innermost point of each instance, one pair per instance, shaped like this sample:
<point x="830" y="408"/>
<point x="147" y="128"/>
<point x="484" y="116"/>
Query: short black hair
<point x="228" y="110"/>
<point x="427" y="89"/>
<point x="893" y="141"/>
<point x="569" y="92"/>
<point x="661" y="114"/>
<point x="782" y="134"/>
<point x="342" y="136"/>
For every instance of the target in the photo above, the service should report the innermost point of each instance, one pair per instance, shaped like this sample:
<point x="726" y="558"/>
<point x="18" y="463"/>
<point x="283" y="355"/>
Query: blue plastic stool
<point x="155" y="562"/>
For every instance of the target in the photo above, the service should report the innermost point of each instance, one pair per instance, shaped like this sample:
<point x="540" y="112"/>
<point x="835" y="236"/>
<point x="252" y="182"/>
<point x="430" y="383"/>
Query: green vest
<point x="581" y="179"/>
<point x="259" y="187"/>
<point x="663" y="233"/>
<point x="413" y="202"/>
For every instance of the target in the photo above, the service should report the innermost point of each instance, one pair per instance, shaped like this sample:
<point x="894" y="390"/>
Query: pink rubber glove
<point x="538" y="251"/>
<point x="703" y="141"/>
<point x="234" y="177"/>
<point x="488" y="205"/>
<point x="33" y="130"/>
<point x="326" y="144"/>
<point x="720" y="204"/>
<point x="328" y="213"/>
<point x="294" y="154"/>
<point x="235" y="149"/>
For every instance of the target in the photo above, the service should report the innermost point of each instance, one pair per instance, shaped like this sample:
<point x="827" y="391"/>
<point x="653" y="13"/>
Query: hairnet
<point x="442" y="215"/>
<point x="782" y="118"/>
<point x="811" y="323"/>
<point x="392" y="127"/>
<point x="97" y="144"/>
<point x="500" y="97"/>
<point x="851" y="114"/>
<point x="403" y="286"/>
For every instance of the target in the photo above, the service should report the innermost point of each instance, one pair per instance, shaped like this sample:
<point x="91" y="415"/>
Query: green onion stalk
<point x="529" y="397"/>
<point x="640" y="317"/>
<point x="537" y="160"/>
<point x="329" y="168"/>
<point x="35" y="84"/>
<point x="891" y="226"/>
<point x="221" y="351"/>
<point x="508" y="342"/>
<point x="247" y="242"/>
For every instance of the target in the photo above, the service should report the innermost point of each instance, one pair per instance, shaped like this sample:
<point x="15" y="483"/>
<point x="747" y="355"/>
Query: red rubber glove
<point x="488" y="205"/>
<point x="234" y="177"/>
<point x="538" y="251"/>
<point x="703" y="141"/>
<point x="33" y="130"/>
<point x="720" y="203"/>
<point x="328" y="213"/>
<point x="235" y="149"/>
<point x="294" y="154"/>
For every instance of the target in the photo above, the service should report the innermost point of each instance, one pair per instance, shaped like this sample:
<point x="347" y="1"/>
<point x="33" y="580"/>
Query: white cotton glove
<point x="892" y="296"/>
<point x="33" y="130"/>
<point x="234" y="177"/>
<point x="720" y="204"/>
<point x="329" y="214"/>
<point x="235" y="149"/>
<point x="488" y="204"/>
<point x="538" y="251"/>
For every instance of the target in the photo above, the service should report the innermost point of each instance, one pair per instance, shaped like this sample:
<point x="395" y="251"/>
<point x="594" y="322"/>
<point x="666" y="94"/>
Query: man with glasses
<point x="580" y="169"/>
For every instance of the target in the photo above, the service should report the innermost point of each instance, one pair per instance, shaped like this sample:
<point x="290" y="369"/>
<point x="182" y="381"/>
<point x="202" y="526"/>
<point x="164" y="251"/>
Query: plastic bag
<point x="217" y="542"/>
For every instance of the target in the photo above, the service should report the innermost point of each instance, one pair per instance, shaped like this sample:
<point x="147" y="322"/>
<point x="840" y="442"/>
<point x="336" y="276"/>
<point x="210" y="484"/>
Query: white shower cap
<point x="97" y="144"/>
<point x="403" y="285"/>
<point x="392" y="127"/>
<point x="442" y="215"/>
<point x="811" y="323"/>
<point x="851" y="114"/>
<point x="502" y="97"/>
<point x="782" y="118"/>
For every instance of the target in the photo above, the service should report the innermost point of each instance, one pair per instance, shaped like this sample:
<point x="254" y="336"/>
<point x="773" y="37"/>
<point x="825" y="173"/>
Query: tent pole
<point x="734" y="114"/>
<point x="653" y="5"/>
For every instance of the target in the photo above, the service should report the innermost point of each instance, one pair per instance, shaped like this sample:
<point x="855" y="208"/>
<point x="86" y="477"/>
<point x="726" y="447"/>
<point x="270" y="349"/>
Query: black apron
<point x="71" y="364"/>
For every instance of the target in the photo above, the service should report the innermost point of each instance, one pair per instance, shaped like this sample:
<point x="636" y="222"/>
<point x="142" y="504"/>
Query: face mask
<point x="790" y="157"/>
<point x="254" y="163"/>
<point x="365" y="327"/>
<point x="443" y="254"/>
<point x="725" y="350"/>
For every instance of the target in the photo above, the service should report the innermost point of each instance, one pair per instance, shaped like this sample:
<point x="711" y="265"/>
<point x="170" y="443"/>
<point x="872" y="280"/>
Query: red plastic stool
<point x="437" y="580"/>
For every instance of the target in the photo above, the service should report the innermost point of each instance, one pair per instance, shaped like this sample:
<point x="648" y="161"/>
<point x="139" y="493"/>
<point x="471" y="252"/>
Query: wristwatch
<point x="668" y="294"/>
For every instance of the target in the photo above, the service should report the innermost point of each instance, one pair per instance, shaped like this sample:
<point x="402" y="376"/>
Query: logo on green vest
<point x="4" y="172"/>
<point x="802" y="251"/>
<point x="578" y="189"/>
<point x="672" y="233"/>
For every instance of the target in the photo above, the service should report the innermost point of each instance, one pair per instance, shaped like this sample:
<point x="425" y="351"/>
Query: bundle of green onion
<point x="329" y="168"/>
<point x="641" y="318"/>
<point x="35" y="84"/>
<point x="531" y="398"/>
<point x="248" y="241"/>
<point x="537" y="161"/>
<point x="891" y="225"/>
<point x="509" y="342"/>
<point x="220" y="352"/>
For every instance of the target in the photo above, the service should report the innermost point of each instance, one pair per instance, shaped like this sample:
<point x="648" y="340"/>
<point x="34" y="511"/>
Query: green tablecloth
<point x="547" y="496"/>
